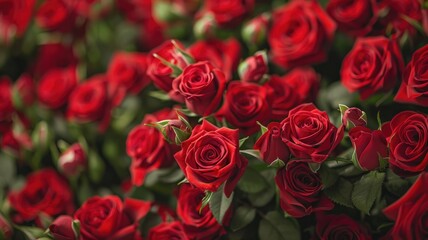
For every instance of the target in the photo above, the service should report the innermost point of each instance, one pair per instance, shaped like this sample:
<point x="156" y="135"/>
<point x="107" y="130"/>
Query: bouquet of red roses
<point x="216" y="119"/>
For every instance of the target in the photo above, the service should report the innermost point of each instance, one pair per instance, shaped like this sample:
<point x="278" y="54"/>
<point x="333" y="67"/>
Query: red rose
<point x="54" y="95"/>
<point x="284" y="97"/>
<point x="135" y="11"/>
<point x="370" y="147"/>
<point x="354" y="117"/>
<point x="129" y="70"/>
<point x="55" y="15"/>
<point x="73" y="160"/>
<point x="210" y="157"/>
<point x="353" y="17"/>
<point x="305" y="81"/>
<point x="15" y="17"/>
<point x="53" y="56"/>
<point x="110" y="219"/>
<point x="222" y="54"/>
<point x="198" y="224"/>
<point x="161" y="74"/>
<point x="228" y="13"/>
<point x="94" y="100"/>
<point x="147" y="147"/>
<point x="271" y="146"/>
<point x="300" y="190"/>
<point x="335" y="227"/>
<point x="254" y="67"/>
<point x="51" y="191"/>
<point x="414" y="87"/>
<point x="26" y="88"/>
<point x="373" y="65"/>
<point x="6" y="106"/>
<point x="410" y="211"/>
<point x="309" y="133"/>
<point x="407" y="136"/>
<point x="167" y="231"/>
<point x="302" y="40"/>
<point x="5" y="229"/>
<point x="246" y="104"/>
<point x="201" y="87"/>
<point x="62" y="228"/>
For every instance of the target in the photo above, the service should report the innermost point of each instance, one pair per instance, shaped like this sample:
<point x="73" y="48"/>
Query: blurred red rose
<point x="62" y="229"/>
<point x="300" y="190"/>
<point x="94" y="100"/>
<point x="410" y="212"/>
<point x="353" y="17"/>
<point x="26" y="88"/>
<point x="414" y="85"/>
<point x="111" y="219"/>
<point x="271" y="146"/>
<point x="373" y="65"/>
<point x="6" y="106"/>
<point x="308" y="133"/>
<point x="166" y="231"/>
<point x="228" y="13"/>
<point x="53" y="56"/>
<point x="283" y="95"/>
<point x="198" y="224"/>
<point x="210" y="157"/>
<point x="147" y="147"/>
<point x="73" y="160"/>
<point x="128" y="70"/>
<point x="161" y="74"/>
<point x="337" y="227"/>
<point x="305" y="81"/>
<point x="222" y="54"/>
<point x="302" y="40"/>
<point x="201" y="87"/>
<point x="52" y="94"/>
<point x="15" y="15"/>
<point x="55" y="15"/>
<point x="246" y="104"/>
<point x="407" y="136"/>
<point x="370" y="147"/>
<point x="45" y="192"/>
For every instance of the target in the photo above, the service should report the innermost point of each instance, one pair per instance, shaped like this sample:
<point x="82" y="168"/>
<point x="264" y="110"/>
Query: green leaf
<point x="367" y="190"/>
<point x="219" y="204"/>
<point x="396" y="184"/>
<point x="314" y="167"/>
<point x="261" y="198"/>
<point x="328" y="176"/>
<point x="341" y="192"/>
<point x="263" y="129"/>
<point x="251" y="152"/>
<point x="161" y="95"/>
<point x="277" y="163"/>
<point x="30" y="233"/>
<point x="274" y="226"/>
<point x="242" y="216"/>
<point x="205" y="200"/>
<point x="7" y="170"/>
<point x="252" y="181"/>
<point x="242" y="141"/>
<point x="96" y="167"/>
<point x="75" y="225"/>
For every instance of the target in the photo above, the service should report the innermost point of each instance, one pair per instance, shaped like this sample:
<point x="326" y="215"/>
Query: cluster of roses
<point x="298" y="142"/>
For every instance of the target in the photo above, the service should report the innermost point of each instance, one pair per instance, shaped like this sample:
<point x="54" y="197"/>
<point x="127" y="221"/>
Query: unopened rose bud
<point x="205" y="27"/>
<point x="171" y="10"/>
<point x="176" y="131"/>
<point x="254" y="32"/>
<point x="65" y="228"/>
<point x="73" y="160"/>
<point x="253" y="68"/>
<point x="352" y="117"/>
<point x="5" y="228"/>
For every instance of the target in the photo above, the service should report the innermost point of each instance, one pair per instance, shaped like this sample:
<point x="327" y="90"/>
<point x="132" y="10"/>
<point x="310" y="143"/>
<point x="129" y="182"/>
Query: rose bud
<point x="205" y="27"/>
<point x="370" y="147"/>
<point x="254" y="32"/>
<point x="73" y="160"/>
<point x="176" y="131"/>
<point x="352" y="117"/>
<point x="253" y="68"/>
<point x="271" y="146"/>
<point x="5" y="228"/>
<point x="64" y="228"/>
